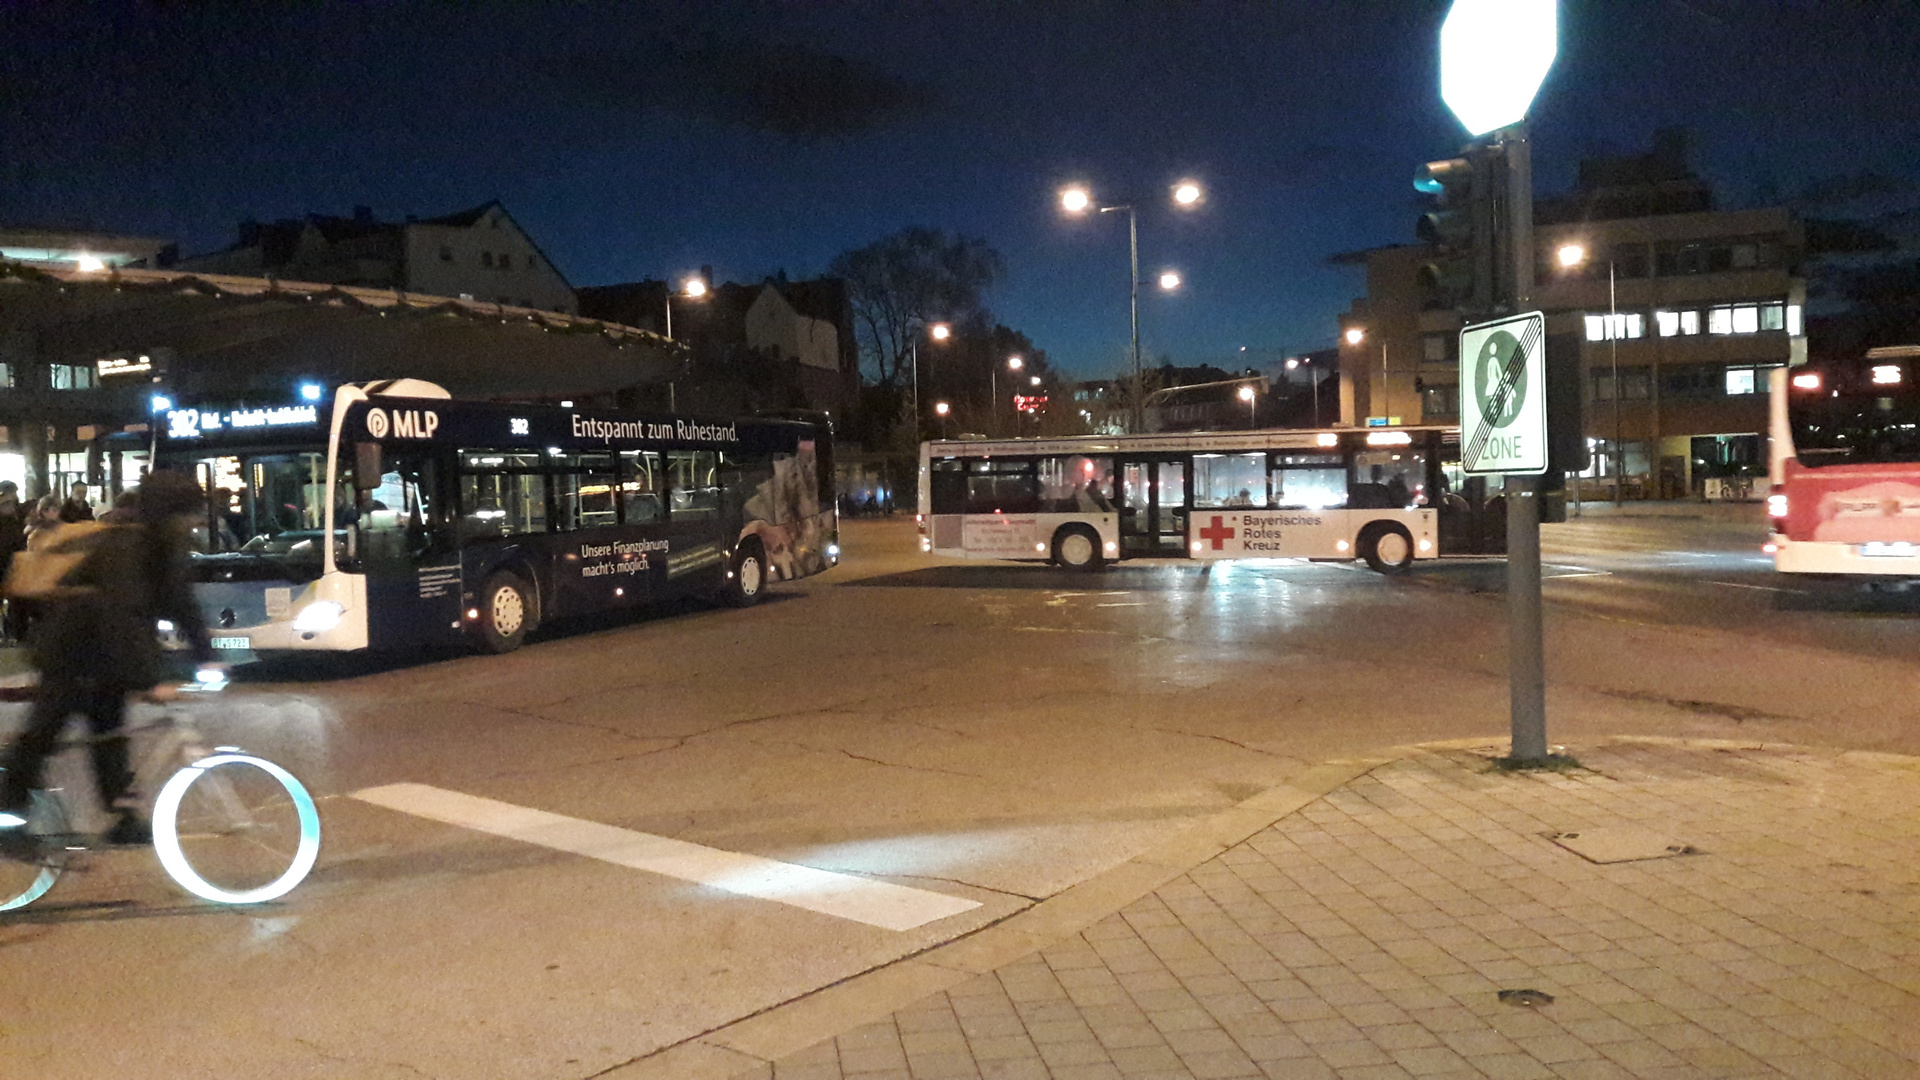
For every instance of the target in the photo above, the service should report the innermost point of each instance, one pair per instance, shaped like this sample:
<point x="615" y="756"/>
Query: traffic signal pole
<point x="1526" y="644"/>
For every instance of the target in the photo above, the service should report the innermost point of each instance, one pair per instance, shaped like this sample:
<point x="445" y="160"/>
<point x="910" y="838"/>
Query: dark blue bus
<point x="396" y="518"/>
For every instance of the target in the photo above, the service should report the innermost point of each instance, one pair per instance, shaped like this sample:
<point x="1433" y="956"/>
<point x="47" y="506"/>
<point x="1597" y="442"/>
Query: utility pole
<point x="1526" y="646"/>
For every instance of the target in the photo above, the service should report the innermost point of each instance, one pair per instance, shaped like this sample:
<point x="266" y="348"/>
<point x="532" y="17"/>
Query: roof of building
<point x="242" y="330"/>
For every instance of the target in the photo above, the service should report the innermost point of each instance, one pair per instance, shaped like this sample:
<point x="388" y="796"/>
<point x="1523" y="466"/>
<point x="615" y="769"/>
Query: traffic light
<point x="1459" y="231"/>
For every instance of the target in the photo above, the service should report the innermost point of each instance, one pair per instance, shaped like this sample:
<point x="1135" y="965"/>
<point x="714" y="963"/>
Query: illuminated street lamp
<point x="1169" y="280"/>
<point x="1078" y="200"/>
<point x="1247" y="395"/>
<point x="941" y="409"/>
<point x="692" y="289"/>
<point x="937" y="331"/>
<point x="1014" y="363"/>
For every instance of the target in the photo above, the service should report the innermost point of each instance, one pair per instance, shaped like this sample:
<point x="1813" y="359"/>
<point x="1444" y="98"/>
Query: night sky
<point x="646" y="140"/>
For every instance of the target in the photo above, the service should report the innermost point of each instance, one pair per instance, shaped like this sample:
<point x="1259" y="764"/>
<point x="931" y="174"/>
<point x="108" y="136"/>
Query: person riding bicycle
<point x="98" y="643"/>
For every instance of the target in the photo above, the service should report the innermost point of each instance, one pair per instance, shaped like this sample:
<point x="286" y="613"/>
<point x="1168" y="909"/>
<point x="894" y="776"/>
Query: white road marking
<point x="863" y="900"/>
<point x="1762" y="588"/>
<point x="1577" y="571"/>
<point x="1136" y="603"/>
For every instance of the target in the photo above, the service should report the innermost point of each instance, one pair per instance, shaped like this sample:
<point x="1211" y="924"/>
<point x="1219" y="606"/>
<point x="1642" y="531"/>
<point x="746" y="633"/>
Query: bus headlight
<point x="318" y="617"/>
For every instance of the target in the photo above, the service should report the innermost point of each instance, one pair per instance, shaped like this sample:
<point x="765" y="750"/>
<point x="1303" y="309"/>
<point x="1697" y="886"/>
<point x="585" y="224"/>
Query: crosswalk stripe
<point x="863" y="900"/>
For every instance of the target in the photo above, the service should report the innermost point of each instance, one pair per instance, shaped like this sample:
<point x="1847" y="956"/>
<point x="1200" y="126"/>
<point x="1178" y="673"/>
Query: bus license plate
<point x="232" y="643"/>
<point x="1898" y="549"/>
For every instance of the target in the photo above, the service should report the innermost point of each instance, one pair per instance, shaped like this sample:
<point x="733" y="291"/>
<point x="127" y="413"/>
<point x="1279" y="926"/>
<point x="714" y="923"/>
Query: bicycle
<point x="229" y="827"/>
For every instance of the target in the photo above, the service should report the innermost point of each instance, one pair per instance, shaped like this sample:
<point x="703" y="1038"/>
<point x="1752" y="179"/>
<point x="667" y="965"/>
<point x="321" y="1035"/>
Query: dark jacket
<point x="105" y="631"/>
<point x="13" y="527"/>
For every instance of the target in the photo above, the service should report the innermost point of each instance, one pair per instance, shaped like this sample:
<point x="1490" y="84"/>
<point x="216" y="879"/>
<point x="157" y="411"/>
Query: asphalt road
<point x="977" y="735"/>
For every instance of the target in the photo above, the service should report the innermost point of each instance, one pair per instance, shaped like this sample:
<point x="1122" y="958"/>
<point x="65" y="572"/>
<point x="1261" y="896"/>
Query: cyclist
<point x="98" y="644"/>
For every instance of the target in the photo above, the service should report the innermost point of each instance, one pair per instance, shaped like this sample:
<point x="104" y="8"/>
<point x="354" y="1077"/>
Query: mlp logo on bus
<point x="404" y="423"/>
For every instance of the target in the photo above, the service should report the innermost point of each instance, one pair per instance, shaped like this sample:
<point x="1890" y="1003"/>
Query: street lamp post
<point x="1572" y="255"/>
<point x="1077" y="200"/>
<point x="938" y="332"/>
<point x="1313" y="379"/>
<point x="1014" y="363"/>
<point x="694" y="289"/>
<point x="1355" y="335"/>
<point x="941" y="409"/>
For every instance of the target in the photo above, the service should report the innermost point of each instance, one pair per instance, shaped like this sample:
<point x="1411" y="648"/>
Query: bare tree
<point x="900" y="282"/>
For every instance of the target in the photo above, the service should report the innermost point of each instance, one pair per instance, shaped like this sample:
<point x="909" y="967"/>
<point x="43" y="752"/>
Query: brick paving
<point x="1366" y="937"/>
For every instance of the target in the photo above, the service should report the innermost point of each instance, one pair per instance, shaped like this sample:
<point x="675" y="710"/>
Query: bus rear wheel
<point x="1388" y="548"/>
<point x="748" y="581"/>
<point x="1077" y="547"/>
<point x="506" y="613"/>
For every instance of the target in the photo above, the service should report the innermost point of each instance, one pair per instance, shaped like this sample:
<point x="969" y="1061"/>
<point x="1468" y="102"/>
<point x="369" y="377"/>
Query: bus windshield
<point x="266" y="505"/>
<point x="1843" y="418"/>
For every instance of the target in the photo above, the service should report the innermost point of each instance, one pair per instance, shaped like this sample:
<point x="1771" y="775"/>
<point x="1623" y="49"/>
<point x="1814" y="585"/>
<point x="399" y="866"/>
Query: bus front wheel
<point x="1388" y="548"/>
<point x="1077" y="547"/>
<point x="506" y="612"/>
<point x="748" y="580"/>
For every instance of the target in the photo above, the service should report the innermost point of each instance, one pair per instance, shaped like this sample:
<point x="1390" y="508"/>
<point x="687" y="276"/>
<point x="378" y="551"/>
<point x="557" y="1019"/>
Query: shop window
<point x="73" y="376"/>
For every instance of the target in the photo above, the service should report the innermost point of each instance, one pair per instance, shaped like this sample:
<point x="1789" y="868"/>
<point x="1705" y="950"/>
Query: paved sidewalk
<point x="1369" y="934"/>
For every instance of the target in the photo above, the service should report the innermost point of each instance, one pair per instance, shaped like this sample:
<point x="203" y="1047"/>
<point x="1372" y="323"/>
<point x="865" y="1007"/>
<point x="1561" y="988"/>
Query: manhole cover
<point x="1530" y="999"/>
<point x="1612" y="845"/>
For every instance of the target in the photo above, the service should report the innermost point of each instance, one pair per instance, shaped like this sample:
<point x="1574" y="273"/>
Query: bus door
<point x="406" y="548"/>
<point x="1153" y="507"/>
<point x="1472" y="522"/>
<point x="698" y="545"/>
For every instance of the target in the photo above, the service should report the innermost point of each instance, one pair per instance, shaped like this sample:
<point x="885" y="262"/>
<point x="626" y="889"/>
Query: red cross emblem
<point x="1219" y="532"/>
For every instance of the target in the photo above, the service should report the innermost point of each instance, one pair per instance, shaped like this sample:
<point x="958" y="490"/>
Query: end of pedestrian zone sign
<point x="1503" y="396"/>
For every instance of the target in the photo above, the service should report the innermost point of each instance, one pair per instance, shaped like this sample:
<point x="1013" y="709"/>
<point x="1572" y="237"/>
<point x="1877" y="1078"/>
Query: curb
<point x="746" y="1049"/>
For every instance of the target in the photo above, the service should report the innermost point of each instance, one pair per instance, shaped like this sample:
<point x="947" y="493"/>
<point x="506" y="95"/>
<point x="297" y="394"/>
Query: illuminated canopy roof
<point x="232" y="335"/>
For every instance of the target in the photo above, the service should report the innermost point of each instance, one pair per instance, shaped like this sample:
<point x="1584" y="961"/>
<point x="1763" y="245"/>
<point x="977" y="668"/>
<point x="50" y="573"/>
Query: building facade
<point x="480" y="255"/>
<point x="1679" y="310"/>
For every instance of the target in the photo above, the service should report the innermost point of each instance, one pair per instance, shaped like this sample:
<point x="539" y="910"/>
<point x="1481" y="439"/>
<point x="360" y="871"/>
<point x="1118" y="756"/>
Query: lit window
<point x="1739" y="381"/>
<point x="1689" y="322"/>
<point x="1793" y="319"/>
<point x="1668" y="322"/>
<point x="1746" y="319"/>
<point x="1636" y="324"/>
<point x="1596" y="328"/>
<point x="1773" y="317"/>
<point x="1720" y="321"/>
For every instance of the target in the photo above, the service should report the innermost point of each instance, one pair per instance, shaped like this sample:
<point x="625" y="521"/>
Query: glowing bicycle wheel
<point x="236" y="829"/>
<point x="25" y="876"/>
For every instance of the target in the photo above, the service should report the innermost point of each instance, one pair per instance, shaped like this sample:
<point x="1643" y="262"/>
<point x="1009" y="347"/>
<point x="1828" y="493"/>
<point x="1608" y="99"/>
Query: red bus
<point x="1845" y="466"/>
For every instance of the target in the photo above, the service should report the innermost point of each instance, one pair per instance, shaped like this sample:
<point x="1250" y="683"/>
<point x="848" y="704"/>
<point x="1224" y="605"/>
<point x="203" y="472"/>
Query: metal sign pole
<point x="1526" y="646"/>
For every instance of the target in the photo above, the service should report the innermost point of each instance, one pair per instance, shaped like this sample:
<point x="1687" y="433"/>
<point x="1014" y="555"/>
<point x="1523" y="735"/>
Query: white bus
<point x="1387" y="495"/>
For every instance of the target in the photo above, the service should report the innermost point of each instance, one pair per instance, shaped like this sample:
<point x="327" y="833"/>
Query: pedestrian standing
<point x="13" y="537"/>
<point x="77" y="508"/>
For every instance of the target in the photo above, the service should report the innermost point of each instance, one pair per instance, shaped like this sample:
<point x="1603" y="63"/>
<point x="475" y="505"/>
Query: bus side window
<point x="1002" y="487"/>
<point x="641" y="483"/>
<point x="402" y="516"/>
<point x="947" y="487"/>
<point x="1309" y="482"/>
<point x="695" y="492"/>
<point x="495" y="502"/>
<point x="583" y="491"/>
<point x="1076" y="485"/>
